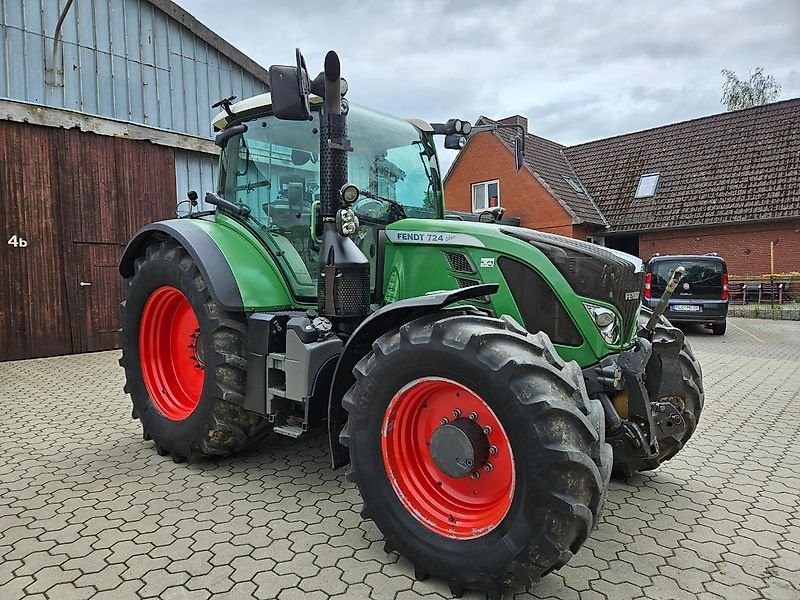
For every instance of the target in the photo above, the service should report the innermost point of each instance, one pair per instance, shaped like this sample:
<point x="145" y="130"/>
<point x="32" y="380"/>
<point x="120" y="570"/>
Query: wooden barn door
<point x="72" y="200"/>
<point x="112" y="187"/>
<point x="34" y="313"/>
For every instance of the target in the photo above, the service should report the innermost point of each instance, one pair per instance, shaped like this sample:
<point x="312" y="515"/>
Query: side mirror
<point x="290" y="88"/>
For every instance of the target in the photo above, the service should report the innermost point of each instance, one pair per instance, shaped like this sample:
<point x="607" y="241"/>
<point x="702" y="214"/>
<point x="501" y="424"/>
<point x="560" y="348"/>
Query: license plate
<point x="687" y="308"/>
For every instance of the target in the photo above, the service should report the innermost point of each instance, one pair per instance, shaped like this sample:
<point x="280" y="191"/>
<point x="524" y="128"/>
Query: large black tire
<point x="719" y="328"/>
<point x="217" y="426"/>
<point x="561" y="462"/>
<point x="694" y="395"/>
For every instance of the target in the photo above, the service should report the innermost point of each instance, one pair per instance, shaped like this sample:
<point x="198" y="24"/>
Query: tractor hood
<point x="591" y="270"/>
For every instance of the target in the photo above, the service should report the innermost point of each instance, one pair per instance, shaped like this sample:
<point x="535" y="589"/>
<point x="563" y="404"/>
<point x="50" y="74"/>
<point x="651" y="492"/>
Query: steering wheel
<point x="370" y="208"/>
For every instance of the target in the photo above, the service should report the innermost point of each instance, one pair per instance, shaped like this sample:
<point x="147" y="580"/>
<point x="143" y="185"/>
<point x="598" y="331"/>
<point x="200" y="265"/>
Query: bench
<point x="769" y="292"/>
<point x="737" y="291"/>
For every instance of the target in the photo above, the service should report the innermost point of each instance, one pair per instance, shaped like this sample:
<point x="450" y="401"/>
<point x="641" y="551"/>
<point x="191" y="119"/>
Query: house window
<point x="485" y="195"/>
<point x="647" y="185"/>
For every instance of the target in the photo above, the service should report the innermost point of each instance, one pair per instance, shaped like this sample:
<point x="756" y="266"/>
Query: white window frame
<point x="640" y="192"/>
<point x="486" y="185"/>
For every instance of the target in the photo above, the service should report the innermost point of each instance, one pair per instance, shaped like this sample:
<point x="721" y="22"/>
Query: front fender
<point x="359" y="344"/>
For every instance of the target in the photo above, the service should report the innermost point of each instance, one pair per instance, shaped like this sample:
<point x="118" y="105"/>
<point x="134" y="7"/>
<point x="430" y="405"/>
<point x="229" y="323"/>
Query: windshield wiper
<point x="396" y="209"/>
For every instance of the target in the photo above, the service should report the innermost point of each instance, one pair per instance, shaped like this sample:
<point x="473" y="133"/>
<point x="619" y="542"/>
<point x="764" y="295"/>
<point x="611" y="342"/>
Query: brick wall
<point x="746" y="248"/>
<point x="486" y="158"/>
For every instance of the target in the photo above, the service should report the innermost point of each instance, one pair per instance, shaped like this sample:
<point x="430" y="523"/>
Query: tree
<point x="759" y="89"/>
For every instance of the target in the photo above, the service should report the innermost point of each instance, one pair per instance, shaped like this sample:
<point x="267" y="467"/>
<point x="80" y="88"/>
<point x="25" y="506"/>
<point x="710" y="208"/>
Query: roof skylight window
<point x="648" y="184"/>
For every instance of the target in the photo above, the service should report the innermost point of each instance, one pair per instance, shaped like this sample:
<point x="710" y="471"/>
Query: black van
<point x="702" y="294"/>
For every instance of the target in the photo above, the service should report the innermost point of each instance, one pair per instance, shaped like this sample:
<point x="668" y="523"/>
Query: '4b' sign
<point x="17" y="241"/>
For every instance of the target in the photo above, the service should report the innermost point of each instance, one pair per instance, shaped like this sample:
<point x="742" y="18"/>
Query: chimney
<point x="516" y="120"/>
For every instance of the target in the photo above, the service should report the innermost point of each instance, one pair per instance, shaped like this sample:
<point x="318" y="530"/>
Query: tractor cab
<point x="271" y="166"/>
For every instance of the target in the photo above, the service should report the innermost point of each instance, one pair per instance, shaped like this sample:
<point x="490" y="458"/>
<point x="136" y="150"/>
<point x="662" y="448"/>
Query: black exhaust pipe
<point x="344" y="288"/>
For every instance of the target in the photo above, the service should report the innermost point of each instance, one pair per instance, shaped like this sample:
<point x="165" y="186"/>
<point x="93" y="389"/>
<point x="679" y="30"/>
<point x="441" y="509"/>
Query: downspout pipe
<point x="57" y="39"/>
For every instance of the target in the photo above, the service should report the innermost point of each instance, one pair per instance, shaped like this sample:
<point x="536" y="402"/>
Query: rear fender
<point x="359" y="344"/>
<point x="250" y="282"/>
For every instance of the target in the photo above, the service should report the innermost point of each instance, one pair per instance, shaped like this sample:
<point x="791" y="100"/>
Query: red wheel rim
<point x="171" y="353"/>
<point x="458" y="508"/>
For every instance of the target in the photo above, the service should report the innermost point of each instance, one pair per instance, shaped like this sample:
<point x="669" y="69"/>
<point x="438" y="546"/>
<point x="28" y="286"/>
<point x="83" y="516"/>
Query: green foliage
<point x="759" y="89"/>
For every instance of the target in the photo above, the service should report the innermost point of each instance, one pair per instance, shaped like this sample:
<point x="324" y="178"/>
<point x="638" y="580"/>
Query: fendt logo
<point x="631" y="295"/>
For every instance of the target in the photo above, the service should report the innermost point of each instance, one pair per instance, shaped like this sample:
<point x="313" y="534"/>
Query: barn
<point x="105" y="111"/>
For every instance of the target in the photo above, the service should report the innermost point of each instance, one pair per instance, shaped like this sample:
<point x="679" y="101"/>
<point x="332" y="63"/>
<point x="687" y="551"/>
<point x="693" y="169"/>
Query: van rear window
<point x="698" y="272"/>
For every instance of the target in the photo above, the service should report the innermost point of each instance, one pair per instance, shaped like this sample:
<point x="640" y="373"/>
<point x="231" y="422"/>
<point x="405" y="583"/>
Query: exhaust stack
<point x="344" y="288"/>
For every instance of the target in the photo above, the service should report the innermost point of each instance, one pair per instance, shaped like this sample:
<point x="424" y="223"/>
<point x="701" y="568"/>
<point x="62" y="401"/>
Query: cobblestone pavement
<point x="88" y="509"/>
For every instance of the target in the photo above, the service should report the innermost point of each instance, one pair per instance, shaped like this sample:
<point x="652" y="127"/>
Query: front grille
<point x="460" y="262"/>
<point x="592" y="271"/>
<point x="538" y="305"/>
<point x="463" y="282"/>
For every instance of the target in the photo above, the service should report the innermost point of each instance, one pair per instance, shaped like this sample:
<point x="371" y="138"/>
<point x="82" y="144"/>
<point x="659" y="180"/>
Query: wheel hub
<point x="459" y="448"/>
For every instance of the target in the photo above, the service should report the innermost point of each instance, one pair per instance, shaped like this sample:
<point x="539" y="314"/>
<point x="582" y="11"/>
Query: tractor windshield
<point x="273" y="168"/>
<point x="392" y="161"/>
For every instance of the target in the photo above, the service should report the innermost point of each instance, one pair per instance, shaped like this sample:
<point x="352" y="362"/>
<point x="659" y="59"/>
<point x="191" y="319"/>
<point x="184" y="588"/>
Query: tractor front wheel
<point x="184" y="359"/>
<point x="476" y="450"/>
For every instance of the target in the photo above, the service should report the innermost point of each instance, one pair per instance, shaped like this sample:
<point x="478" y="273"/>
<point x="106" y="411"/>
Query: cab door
<point x="273" y="168"/>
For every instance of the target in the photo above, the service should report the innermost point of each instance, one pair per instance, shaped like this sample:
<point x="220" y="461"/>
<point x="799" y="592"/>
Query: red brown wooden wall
<point x="76" y="199"/>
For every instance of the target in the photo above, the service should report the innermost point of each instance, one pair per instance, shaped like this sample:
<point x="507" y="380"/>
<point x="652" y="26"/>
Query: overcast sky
<point x="579" y="70"/>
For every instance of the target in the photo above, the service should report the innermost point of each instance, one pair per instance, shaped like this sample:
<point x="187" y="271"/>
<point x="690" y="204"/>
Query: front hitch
<point x="654" y="385"/>
<point x="663" y="303"/>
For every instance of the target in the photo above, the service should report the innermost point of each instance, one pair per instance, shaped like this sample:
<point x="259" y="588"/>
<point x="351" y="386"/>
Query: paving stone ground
<point x="89" y="510"/>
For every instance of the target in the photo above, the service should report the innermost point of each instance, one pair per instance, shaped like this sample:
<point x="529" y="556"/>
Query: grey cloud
<point x="579" y="69"/>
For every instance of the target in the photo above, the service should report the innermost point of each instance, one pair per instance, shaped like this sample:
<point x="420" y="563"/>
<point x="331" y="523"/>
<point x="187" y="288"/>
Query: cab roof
<point x="262" y="102"/>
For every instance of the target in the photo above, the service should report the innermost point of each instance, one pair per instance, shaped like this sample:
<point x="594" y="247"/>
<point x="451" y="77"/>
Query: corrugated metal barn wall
<point x="194" y="171"/>
<point x="124" y="59"/>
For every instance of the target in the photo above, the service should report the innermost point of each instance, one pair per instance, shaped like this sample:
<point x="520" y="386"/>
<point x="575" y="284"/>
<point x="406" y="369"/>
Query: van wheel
<point x="719" y="329"/>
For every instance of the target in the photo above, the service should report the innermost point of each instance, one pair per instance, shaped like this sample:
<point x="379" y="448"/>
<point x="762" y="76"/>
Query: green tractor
<point x="482" y="381"/>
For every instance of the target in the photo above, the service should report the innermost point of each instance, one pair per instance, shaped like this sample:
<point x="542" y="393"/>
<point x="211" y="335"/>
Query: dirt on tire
<point x="557" y="435"/>
<point x="218" y="426"/>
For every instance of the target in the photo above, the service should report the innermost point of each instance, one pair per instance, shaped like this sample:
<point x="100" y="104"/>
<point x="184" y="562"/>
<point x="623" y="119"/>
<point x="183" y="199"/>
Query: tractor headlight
<point x="346" y="222"/>
<point x="466" y="127"/>
<point x="349" y="193"/>
<point x="605" y="320"/>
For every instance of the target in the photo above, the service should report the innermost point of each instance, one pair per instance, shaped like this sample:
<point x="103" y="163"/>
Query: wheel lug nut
<point x="474" y="475"/>
<point x="469" y="462"/>
<point x="444" y="421"/>
<point x="457" y="413"/>
<point x="473" y="416"/>
<point x="492" y="449"/>
<point x="488" y="467"/>
<point x="487" y="430"/>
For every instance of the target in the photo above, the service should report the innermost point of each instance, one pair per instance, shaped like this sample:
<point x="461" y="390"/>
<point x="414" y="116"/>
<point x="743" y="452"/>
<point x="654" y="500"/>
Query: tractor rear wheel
<point x="476" y="450"/>
<point x="184" y="359"/>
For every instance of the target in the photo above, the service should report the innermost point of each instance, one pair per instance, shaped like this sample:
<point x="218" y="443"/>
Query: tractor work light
<point x="453" y="126"/>
<point x="349" y="193"/>
<point x="455" y="141"/>
<point x="346" y="222"/>
<point x="606" y="321"/>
